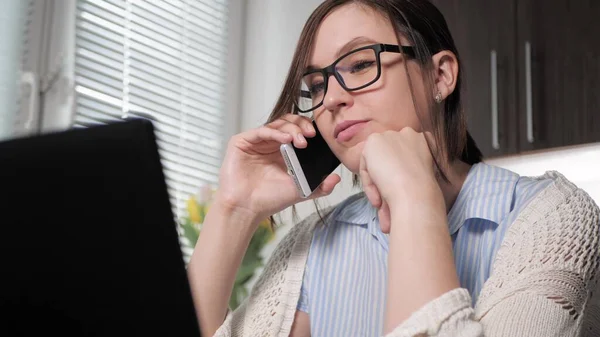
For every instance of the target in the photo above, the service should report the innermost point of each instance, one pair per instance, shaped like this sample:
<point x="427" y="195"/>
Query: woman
<point x="438" y="244"/>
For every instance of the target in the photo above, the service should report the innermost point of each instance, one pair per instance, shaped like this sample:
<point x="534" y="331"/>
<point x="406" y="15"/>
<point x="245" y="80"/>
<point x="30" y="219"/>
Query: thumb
<point x="371" y="190"/>
<point x="326" y="186"/>
<point x="385" y="221"/>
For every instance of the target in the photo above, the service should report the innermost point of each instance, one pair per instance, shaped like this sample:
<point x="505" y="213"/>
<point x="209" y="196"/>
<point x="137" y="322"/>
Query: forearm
<point x="420" y="264"/>
<point x="217" y="256"/>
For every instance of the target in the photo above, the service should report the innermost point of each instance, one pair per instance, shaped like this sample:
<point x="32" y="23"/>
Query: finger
<point x="307" y="126"/>
<point x="370" y="189"/>
<point x="297" y="134"/>
<point x="304" y="123"/>
<point x="276" y="124"/>
<point x="290" y="128"/>
<point x="373" y="195"/>
<point x="326" y="186"/>
<point x="385" y="221"/>
<point x="266" y="134"/>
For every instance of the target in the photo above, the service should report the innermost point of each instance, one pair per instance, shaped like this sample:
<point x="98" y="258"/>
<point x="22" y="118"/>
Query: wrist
<point x="231" y="209"/>
<point x="231" y="219"/>
<point x="424" y="204"/>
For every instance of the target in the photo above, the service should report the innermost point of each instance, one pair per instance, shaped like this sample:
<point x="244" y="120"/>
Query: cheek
<point x="325" y="123"/>
<point x="349" y="156"/>
<point x="391" y="106"/>
<point x="393" y="109"/>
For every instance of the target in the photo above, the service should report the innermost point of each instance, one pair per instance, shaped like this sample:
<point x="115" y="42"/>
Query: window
<point x="18" y="83"/>
<point x="166" y="59"/>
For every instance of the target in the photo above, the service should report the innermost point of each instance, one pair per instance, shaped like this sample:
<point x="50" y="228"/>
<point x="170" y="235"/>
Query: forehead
<point x="345" y="24"/>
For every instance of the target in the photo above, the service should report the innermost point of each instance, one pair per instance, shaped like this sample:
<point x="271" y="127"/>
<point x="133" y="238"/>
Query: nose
<point x="336" y="97"/>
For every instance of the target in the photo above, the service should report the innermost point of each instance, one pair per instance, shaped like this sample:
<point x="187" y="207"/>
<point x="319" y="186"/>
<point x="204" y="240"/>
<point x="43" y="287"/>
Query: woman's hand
<point x="397" y="171"/>
<point x="398" y="176"/>
<point x="254" y="178"/>
<point x="254" y="184"/>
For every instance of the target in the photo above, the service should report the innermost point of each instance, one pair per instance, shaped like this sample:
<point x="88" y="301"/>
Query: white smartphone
<point x="311" y="165"/>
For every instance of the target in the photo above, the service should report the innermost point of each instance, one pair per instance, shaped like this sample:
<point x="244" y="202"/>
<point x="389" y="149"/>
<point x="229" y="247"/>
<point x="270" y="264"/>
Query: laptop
<point x="88" y="241"/>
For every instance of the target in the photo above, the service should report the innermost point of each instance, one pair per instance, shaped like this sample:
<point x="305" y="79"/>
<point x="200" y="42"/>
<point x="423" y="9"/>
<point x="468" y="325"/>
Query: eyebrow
<point x="348" y="46"/>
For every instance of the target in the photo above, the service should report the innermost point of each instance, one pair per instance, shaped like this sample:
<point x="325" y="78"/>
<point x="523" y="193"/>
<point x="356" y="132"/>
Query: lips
<point x="347" y="129"/>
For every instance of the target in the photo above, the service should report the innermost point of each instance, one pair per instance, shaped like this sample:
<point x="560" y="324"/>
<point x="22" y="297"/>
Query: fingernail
<point x="310" y="128"/>
<point x="301" y="138"/>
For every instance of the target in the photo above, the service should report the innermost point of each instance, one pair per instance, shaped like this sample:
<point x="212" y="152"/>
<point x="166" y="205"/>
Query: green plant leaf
<point x="202" y="209"/>
<point x="246" y="271"/>
<point x="238" y="294"/>
<point x="190" y="232"/>
<point x="251" y="261"/>
<point x="258" y="241"/>
<point x="234" y="301"/>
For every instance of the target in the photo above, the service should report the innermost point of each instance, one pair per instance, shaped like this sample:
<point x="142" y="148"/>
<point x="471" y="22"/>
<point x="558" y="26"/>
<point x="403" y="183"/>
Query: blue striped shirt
<point x="344" y="285"/>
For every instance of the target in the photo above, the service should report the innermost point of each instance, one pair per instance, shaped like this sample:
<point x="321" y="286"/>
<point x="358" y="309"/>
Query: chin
<point x="351" y="157"/>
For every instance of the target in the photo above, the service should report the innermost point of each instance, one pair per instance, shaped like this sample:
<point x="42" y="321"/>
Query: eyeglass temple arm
<point x="305" y="94"/>
<point x="408" y="50"/>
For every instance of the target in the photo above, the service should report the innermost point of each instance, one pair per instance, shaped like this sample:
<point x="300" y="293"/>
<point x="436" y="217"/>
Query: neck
<point x="457" y="174"/>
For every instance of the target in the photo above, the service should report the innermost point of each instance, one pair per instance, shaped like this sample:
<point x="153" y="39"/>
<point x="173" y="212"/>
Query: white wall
<point x="579" y="164"/>
<point x="272" y="31"/>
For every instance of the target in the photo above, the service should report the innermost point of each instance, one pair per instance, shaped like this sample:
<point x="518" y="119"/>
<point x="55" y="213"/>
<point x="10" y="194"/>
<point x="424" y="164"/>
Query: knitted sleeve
<point x="270" y="308"/>
<point x="544" y="282"/>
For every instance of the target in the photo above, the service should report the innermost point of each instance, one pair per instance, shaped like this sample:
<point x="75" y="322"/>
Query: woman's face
<point x="384" y="105"/>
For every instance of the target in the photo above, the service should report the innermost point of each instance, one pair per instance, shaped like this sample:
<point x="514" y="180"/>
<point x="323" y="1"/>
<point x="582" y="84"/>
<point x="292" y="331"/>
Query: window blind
<point x="17" y="83"/>
<point x="165" y="59"/>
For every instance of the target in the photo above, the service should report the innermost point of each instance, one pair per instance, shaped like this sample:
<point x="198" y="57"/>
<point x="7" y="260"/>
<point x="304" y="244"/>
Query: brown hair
<point x="424" y="26"/>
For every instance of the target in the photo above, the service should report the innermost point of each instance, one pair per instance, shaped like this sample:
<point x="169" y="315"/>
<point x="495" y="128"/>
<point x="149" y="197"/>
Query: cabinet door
<point x="484" y="32"/>
<point x="558" y="73"/>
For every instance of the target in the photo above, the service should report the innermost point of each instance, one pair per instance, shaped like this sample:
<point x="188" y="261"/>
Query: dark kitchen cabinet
<point x="558" y="67"/>
<point x="531" y="70"/>
<point x="484" y="35"/>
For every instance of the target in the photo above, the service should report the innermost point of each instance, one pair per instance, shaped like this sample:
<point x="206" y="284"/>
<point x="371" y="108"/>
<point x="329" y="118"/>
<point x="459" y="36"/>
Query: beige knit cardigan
<point x="544" y="280"/>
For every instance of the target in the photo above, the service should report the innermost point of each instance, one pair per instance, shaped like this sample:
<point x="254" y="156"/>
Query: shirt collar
<point x="359" y="212"/>
<point x="487" y="193"/>
<point x="356" y="210"/>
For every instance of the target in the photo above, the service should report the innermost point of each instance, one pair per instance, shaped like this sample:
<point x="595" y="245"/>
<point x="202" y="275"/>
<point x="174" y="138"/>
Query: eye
<point x="317" y="88"/>
<point x="361" y="65"/>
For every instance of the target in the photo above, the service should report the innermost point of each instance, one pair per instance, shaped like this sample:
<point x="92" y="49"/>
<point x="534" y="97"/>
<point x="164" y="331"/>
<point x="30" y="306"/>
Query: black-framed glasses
<point x="354" y="70"/>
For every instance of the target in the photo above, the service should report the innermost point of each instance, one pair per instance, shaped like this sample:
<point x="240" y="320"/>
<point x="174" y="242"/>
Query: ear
<point x="445" y="66"/>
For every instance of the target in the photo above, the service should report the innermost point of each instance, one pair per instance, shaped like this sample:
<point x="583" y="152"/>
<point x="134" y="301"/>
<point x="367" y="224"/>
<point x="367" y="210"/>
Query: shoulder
<point x="560" y="208"/>
<point x="553" y="247"/>
<point x="275" y="294"/>
<point x="296" y="242"/>
<point x="559" y="198"/>
<point x="533" y="193"/>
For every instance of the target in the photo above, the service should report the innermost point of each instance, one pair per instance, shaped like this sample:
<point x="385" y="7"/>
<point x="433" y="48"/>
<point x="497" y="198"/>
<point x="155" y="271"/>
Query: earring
<point x="438" y="97"/>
